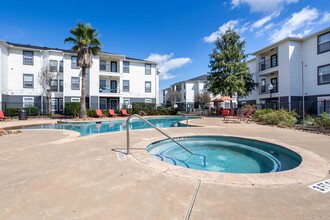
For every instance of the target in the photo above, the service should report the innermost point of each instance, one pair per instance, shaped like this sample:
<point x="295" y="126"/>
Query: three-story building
<point x="293" y="73"/>
<point x="113" y="81"/>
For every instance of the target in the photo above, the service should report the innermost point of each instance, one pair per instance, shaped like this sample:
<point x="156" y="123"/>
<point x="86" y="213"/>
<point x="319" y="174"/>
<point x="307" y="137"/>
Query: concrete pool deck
<point x="57" y="175"/>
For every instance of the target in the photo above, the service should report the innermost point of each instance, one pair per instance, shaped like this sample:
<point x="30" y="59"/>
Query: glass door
<point x="113" y="103"/>
<point x="113" y="86"/>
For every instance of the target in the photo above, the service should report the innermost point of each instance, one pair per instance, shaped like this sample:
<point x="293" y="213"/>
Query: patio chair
<point x="112" y="113"/>
<point x="124" y="112"/>
<point x="99" y="113"/>
<point x="238" y="117"/>
<point x="247" y="118"/>
<point x="3" y="117"/>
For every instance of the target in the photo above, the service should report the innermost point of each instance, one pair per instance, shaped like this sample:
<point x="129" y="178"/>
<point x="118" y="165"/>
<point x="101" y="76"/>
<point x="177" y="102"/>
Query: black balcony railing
<point x="268" y="64"/>
<point x="263" y="89"/>
<point x="109" y="68"/>
<point x="104" y="89"/>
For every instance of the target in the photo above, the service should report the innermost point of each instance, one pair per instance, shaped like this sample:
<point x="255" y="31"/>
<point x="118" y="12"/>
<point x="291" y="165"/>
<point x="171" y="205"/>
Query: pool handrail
<point x="153" y="126"/>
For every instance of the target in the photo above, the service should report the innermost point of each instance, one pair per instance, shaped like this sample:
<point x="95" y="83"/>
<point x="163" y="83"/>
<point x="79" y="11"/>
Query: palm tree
<point x="85" y="44"/>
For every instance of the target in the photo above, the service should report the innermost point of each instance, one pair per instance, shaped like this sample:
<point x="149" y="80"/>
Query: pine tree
<point x="229" y="74"/>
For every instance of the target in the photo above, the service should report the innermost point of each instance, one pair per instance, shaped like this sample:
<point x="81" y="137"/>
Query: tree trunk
<point x="49" y="104"/>
<point x="231" y="103"/>
<point x="83" y="95"/>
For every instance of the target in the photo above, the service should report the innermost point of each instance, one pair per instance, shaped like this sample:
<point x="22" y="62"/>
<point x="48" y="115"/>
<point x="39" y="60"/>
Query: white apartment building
<point x="187" y="90"/>
<point x="113" y="80"/>
<point x="297" y="69"/>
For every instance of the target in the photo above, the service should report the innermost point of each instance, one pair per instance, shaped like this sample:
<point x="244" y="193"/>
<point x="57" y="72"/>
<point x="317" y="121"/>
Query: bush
<point x="280" y="118"/>
<point x="323" y="121"/>
<point x="310" y="120"/>
<point x="33" y="111"/>
<point x="138" y="107"/>
<point x="12" y="111"/>
<point x="91" y="113"/>
<point x="72" y="109"/>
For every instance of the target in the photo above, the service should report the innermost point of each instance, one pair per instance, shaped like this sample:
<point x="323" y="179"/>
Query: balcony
<point x="109" y="90"/>
<point x="113" y="68"/>
<point x="263" y="89"/>
<point x="267" y="64"/>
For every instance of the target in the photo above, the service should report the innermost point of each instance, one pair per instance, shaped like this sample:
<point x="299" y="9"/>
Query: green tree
<point x="229" y="74"/>
<point x="85" y="44"/>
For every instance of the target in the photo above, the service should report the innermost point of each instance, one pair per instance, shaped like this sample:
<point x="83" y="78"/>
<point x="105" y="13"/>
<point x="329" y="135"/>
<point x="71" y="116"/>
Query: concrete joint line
<point x="192" y="202"/>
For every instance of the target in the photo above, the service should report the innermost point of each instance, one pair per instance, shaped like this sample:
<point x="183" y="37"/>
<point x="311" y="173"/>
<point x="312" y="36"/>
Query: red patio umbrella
<point x="222" y="99"/>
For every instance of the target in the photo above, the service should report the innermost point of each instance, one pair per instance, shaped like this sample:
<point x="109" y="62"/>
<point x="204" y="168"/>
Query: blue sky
<point x="178" y="34"/>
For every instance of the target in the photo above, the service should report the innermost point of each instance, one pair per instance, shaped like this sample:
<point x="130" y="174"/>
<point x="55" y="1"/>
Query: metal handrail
<point x="153" y="126"/>
<point x="63" y="119"/>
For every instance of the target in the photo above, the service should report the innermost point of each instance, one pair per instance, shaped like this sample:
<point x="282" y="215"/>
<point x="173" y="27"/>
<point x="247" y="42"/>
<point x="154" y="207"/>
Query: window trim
<point x="145" y="86"/>
<point x="114" y="62"/>
<point x="103" y="63"/>
<point x="74" y="67"/>
<point x="27" y="97"/>
<point x="61" y="66"/>
<point x="318" y="43"/>
<point x="29" y="64"/>
<point x="28" y="74"/>
<point x="76" y="77"/>
<point x="147" y="64"/>
<point x="50" y="69"/>
<point x="318" y="76"/>
<point x="75" y="99"/>
<point x="124" y="86"/>
<point x="128" y="67"/>
<point x="57" y="85"/>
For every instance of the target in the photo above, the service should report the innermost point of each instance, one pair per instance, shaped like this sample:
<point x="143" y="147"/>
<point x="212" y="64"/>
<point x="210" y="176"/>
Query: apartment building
<point x="113" y="80"/>
<point x="293" y="70"/>
<point x="186" y="92"/>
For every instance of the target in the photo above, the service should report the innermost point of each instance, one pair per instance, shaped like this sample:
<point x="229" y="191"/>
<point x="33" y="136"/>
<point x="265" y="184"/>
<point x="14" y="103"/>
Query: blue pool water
<point x="89" y="128"/>
<point x="225" y="154"/>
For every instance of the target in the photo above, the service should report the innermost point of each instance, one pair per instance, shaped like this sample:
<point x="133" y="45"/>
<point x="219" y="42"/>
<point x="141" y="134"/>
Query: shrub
<point x="309" y="120"/>
<point x="323" y="121"/>
<point x="72" y="109"/>
<point x="257" y="116"/>
<point x="280" y="118"/>
<point x="91" y="113"/>
<point x="138" y="107"/>
<point x="12" y="111"/>
<point x="33" y="111"/>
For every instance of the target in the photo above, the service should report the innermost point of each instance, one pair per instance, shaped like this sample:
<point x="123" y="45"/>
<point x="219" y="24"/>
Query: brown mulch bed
<point x="9" y="132"/>
<point x="312" y="129"/>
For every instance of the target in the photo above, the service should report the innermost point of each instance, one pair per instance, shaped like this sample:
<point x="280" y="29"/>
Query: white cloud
<point x="261" y="22"/>
<point x="166" y="63"/>
<point x="232" y="24"/>
<point x="325" y="18"/>
<point x="303" y="19"/>
<point x="262" y="5"/>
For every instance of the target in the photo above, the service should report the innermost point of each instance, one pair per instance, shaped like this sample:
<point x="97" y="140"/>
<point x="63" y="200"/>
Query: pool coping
<point x="312" y="168"/>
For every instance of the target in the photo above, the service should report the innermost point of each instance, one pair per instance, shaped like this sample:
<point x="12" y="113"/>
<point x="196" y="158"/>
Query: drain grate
<point x="322" y="187"/>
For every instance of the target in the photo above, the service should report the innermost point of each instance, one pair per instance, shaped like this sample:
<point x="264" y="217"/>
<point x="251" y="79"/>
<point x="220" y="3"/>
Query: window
<point x="54" y="103"/>
<point x="114" y="66"/>
<point x="28" y="81"/>
<point x="75" y="99"/>
<point x="147" y="86"/>
<point x="28" y="102"/>
<point x="262" y="63"/>
<point x="323" y="43"/>
<point x="184" y="96"/>
<point x="148" y="69"/>
<point x="147" y="101"/>
<point x="126" y="67"/>
<point x="263" y="85"/>
<point x="125" y="85"/>
<point x="27" y="57"/>
<point x="103" y="84"/>
<point x="75" y="83"/>
<point x="61" y="67"/>
<point x="323" y="74"/>
<point x="61" y="85"/>
<point x="323" y="104"/>
<point x="273" y="81"/>
<point x="103" y="65"/>
<point x="273" y="60"/>
<point x="74" y="62"/>
<point x="53" y="65"/>
<point x="54" y="85"/>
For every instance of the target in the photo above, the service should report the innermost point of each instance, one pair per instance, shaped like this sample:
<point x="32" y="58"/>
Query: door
<point x="273" y="81"/>
<point x="113" y="86"/>
<point x="60" y="105"/>
<point x="113" y="103"/>
<point x="103" y="103"/>
<point x="113" y="66"/>
<point x="263" y="85"/>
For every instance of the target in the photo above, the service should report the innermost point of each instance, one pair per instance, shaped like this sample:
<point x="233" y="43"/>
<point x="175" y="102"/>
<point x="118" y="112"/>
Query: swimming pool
<point x="225" y="154"/>
<point x="89" y="128"/>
